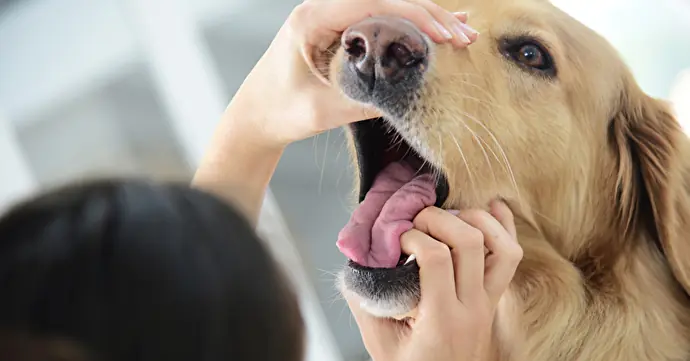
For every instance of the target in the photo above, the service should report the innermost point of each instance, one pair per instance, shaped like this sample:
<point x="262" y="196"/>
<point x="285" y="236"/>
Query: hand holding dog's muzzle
<point x="293" y="73"/>
<point x="461" y="286"/>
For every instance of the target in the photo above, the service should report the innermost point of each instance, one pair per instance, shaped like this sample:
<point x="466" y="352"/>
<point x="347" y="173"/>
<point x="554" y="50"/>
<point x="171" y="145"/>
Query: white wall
<point x="680" y="96"/>
<point x="653" y="36"/>
<point x="58" y="49"/>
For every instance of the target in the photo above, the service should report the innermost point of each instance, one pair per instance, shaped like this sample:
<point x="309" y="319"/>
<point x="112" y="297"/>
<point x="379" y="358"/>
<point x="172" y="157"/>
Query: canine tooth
<point x="410" y="259"/>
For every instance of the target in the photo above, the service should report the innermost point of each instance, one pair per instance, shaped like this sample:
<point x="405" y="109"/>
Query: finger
<point x="504" y="215"/>
<point x="462" y="33"/>
<point x="381" y="336"/>
<point x="462" y="16"/>
<point x="448" y="20"/>
<point x="435" y="268"/>
<point x="505" y="253"/>
<point x="319" y="20"/>
<point x="471" y="33"/>
<point x="467" y="248"/>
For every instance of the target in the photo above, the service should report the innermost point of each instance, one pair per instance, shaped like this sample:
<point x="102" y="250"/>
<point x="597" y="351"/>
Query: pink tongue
<point x="372" y="236"/>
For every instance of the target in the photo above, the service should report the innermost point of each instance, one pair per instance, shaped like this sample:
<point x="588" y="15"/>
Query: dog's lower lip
<point x="408" y="266"/>
<point x="404" y="261"/>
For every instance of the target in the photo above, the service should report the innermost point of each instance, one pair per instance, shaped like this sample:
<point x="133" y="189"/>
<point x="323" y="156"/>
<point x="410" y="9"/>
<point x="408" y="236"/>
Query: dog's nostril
<point x="402" y="55"/>
<point x="383" y="49"/>
<point x="356" y="47"/>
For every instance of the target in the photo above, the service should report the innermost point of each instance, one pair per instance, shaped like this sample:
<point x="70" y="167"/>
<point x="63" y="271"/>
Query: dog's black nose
<point x="384" y="48"/>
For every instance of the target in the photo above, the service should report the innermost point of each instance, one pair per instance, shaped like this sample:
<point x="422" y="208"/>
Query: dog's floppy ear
<point x="653" y="171"/>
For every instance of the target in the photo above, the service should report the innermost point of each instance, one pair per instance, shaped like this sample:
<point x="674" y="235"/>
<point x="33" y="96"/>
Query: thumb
<point x="381" y="336"/>
<point x="348" y="110"/>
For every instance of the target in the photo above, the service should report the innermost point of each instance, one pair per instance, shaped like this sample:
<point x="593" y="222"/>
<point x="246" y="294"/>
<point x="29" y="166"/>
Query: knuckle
<point x="516" y="253"/>
<point x="472" y="239"/>
<point x="301" y="12"/>
<point x="435" y="254"/>
<point x="423" y="218"/>
<point x="436" y="9"/>
<point x="426" y="4"/>
<point x="415" y="12"/>
<point x="482" y="316"/>
<point x="426" y="212"/>
<point x="409" y="237"/>
<point x="512" y="254"/>
<point x="474" y="217"/>
<point x="483" y="216"/>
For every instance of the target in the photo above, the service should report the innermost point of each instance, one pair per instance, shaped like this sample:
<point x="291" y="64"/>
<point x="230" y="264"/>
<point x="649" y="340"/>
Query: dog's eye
<point x="529" y="54"/>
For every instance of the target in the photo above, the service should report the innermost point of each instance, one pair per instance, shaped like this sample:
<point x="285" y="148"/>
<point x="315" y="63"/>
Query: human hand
<point x="460" y="287"/>
<point x="284" y="99"/>
<point x="288" y="94"/>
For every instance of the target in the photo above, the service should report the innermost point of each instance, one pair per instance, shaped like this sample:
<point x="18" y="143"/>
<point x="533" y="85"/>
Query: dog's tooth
<point x="410" y="259"/>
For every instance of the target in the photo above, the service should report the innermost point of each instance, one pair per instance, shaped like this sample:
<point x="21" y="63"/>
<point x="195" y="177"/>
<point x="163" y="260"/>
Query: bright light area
<point x="647" y="33"/>
<point x="680" y="97"/>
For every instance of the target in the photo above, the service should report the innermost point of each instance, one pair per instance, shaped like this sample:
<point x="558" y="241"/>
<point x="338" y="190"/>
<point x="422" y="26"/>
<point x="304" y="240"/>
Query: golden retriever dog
<point x="541" y="112"/>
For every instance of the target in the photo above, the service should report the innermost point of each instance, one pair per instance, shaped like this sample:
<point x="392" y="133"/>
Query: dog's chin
<point x="382" y="292"/>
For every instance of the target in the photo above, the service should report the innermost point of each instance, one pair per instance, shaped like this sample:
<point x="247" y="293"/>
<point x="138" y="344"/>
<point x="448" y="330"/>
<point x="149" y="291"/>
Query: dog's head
<point x="540" y="111"/>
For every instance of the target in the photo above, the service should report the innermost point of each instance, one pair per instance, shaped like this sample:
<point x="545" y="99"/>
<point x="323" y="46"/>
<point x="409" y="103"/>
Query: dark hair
<point x="131" y="271"/>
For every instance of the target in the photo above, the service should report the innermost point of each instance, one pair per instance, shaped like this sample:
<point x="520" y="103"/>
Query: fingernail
<point x="443" y="31"/>
<point x="454" y="212"/>
<point x="460" y="34"/>
<point x="410" y="259"/>
<point x="470" y="30"/>
<point x="461" y="14"/>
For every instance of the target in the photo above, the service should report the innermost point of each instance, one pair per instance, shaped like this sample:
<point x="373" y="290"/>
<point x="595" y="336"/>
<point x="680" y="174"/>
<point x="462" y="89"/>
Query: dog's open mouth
<point x="396" y="183"/>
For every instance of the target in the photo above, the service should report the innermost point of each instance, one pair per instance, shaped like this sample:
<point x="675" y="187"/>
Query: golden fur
<point x="596" y="172"/>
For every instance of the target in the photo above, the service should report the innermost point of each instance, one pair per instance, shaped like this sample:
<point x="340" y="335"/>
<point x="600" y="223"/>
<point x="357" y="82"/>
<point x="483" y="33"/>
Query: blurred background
<point x="135" y="87"/>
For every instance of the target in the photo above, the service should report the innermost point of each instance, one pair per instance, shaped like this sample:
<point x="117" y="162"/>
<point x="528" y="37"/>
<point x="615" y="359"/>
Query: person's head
<point x="129" y="270"/>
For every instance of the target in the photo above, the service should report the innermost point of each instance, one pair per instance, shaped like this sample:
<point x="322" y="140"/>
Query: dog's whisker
<point x="463" y="74"/>
<point x="437" y="171"/>
<point x="479" y="141"/>
<point x="490" y="103"/>
<point x="343" y="170"/>
<point x="493" y="153"/>
<point x="506" y="162"/>
<point x="467" y="82"/>
<point x="324" y="272"/>
<point x="464" y="159"/>
<point x="487" y="105"/>
<point x="323" y="162"/>
<point x="341" y="146"/>
<point x="546" y="218"/>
